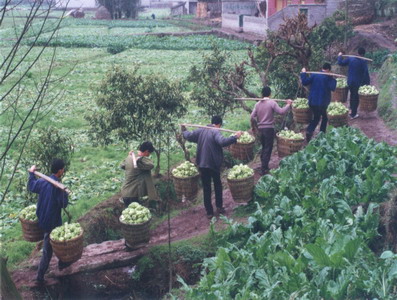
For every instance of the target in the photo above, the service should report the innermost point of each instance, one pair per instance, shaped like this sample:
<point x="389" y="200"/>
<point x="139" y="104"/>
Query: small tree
<point x="135" y="107"/>
<point x="50" y="143"/>
<point x="121" y="8"/>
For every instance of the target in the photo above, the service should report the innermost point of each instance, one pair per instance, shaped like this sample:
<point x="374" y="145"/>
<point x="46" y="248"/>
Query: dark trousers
<point x="354" y="100"/>
<point x="318" y="112"/>
<point x="46" y="258"/>
<point x="206" y="176"/>
<point x="129" y="200"/>
<point x="267" y="139"/>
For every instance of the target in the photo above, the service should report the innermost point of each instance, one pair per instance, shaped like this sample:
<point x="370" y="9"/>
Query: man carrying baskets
<point x="357" y="76"/>
<point x="209" y="158"/>
<point x="263" y="114"/>
<point x="138" y="181"/>
<point x="319" y="97"/>
<point x="51" y="201"/>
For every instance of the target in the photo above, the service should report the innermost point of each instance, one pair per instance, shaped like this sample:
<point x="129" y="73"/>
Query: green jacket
<point x="138" y="181"/>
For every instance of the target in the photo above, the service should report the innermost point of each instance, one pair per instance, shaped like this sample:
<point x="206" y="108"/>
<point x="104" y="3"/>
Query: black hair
<point x="327" y="66"/>
<point x="361" y="51"/>
<point x="266" y="91"/>
<point x="56" y="165"/>
<point x="146" y="146"/>
<point x="216" y="120"/>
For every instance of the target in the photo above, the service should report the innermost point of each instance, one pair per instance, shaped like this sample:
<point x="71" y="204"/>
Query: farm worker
<point x="263" y="116"/>
<point x="357" y="76"/>
<point x="138" y="181"/>
<point x="319" y="97"/>
<point x="51" y="201"/>
<point x="209" y="159"/>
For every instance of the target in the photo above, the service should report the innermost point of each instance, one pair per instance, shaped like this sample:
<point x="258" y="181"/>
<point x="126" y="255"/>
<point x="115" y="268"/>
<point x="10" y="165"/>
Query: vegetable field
<point x="314" y="232"/>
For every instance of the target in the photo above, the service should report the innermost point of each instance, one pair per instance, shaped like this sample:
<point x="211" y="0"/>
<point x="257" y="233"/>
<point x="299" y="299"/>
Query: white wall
<point x="77" y="3"/>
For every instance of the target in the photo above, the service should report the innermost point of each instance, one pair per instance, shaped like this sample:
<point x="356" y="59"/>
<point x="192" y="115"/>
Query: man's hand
<point x="289" y="101"/>
<point x="303" y="70"/>
<point x="340" y="53"/>
<point x="32" y="169"/>
<point x="238" y="134"/>
<point x="183" y="128"/>
<point x="131" y="152"/>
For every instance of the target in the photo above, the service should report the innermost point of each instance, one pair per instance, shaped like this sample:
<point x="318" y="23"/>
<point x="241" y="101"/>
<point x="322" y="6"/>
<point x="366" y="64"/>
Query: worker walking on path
<point x="138" y="181"/>
<point x="209" y="158"/>
<point x="319" y="97"/>
<point x="263" y="116"/>
<point x="49" y="206"/>
<point x="357" y="76"/>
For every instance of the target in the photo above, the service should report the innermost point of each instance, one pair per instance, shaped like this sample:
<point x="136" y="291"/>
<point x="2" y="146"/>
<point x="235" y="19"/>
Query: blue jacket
<point x="358" y="71"/>
<point x="209" y="146"/>
<point x="320" y="88"/>
<point x="51" y="201"/>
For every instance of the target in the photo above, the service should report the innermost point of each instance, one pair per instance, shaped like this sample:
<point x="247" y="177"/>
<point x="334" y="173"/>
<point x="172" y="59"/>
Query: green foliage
<point x="211" y="89"/>
<point x="304" y="240"/>
<point x="133" y="106"/>
<point x="115" y="48"/>
<point x="378" y="57"/>
<point x="50" y="143"/>
<point x="121" y="8"/>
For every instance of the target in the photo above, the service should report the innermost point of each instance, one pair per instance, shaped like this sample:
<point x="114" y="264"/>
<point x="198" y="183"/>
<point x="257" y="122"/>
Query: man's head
<point x="216" y="120"/>
<point x="146" y="148"/>
<point x="361" y="51"/>
<point x="57" y="167"/>
<point x="327" y="67"/>
<point x="266" y="91"/>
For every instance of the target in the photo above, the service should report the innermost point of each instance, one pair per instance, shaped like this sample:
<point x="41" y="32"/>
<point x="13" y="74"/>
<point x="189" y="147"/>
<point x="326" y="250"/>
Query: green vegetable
<point x="135" y="214"/>
<point x="245" y="138"/>
<point x="301" y="103"/>
<point x="186" y="169"/>
<point x="240" y="171"/>
<point x="291" y="135"/>
<point x="336" y="108"/>
<point x="341" y="83"/>
<point x="66" y="232"/>
<point x="29" y="213"/>
<point x="368" y="90"/>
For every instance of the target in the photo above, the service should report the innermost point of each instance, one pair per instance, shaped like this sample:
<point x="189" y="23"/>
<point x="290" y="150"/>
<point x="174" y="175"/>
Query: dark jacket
<point x="358" y="71"/>
<point x="51" y="201"/>
<point x="209" y="146"/>
<point x="320" y="88"/>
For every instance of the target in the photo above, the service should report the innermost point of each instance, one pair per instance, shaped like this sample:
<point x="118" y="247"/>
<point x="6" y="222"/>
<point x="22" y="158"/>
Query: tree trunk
<point x="8" y="288"/>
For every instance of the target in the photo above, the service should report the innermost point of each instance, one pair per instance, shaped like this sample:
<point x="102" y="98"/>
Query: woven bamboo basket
<point x="340" y="95"/>
<point x="338" y="120"/>
<point x="186" y="186"/>
<point x="242" y="151"/>
<point x="287" y="147"/>
<point x="135" y="234"/>
<point x="368" y="103"/>
<point x="302" y="115"/>
<point x="31" y="230"/>
<point x="241" y="189"/>
<point x="68" y="251"/>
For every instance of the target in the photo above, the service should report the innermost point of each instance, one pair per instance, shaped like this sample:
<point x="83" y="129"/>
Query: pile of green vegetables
<point x="336" y="109"/>
<point x="186" y="169"/>
<point x="240" y="171"/>
<point x="135" y="214"/>
<point x="301" y="103"/>
<point x="29" y="213"/>
<point x="368" y="90"/>
<point x="66" y="232"/>
<point x="290" y="135"/>
<point x="245" y="138"/>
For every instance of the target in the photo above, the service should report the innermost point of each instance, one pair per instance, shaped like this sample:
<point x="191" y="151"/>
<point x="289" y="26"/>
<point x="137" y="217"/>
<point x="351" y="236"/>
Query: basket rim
<point x="250" y="143"/>
<point x="283" y="138"/>
<point x="28" y="221"/>
<point x="241" y="179"/>
<point x="140" y="224"/>
<point x="294" y="108"/>
<point x="198" y="174"/>
<point x="341" y="88"/>
<point x="369" y="95"/>
<point x="71" y="240"/>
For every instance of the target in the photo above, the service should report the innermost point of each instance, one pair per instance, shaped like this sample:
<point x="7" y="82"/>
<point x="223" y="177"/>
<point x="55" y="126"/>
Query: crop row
<point x="191" y="42"/>
<point x="305" y="241"/>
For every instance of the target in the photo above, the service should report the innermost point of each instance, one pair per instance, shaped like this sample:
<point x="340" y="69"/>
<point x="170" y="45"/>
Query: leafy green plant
<point x="115" y="48"/>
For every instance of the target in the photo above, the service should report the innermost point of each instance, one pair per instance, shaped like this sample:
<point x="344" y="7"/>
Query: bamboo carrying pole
<point x="133" y="158"/>
<point x="52" y="181"/>
<point x="207" y="127"/>
<point x="325" y="73"/>
<point x="260" y="99"/>
<point x="356" y="56"/>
